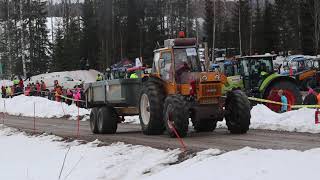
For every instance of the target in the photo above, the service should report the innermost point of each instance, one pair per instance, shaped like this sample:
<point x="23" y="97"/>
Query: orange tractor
<point x="176" y="89"/>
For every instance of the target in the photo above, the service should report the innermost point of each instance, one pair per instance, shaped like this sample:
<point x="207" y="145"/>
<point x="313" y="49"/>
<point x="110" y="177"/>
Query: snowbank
<point x="24" y="106"/>
<point x="39" y="158"/>
<point x="246" y="164"/>
<point x="83" y="75"/>
<point x="6" y="83"/>
<point x="301" y="120"/>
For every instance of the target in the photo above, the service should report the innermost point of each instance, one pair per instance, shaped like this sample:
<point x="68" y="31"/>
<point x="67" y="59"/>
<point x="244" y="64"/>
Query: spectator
<point x="43" y="88"/>
<point x="77" y="96"/>
<point x="8" y="92"/>
<point x="134" y="76"/>
<point x="284" y="101"/>
<point x="27" y="90"/>
<point x="311" y="98"/>
<point x="69" y="95"/>
<point x="58" y="92"/>
<point x="38" y="88"/>
<point x="21" y="85"/>
<point x="108" y="74"/>
<point x="3" y="91"/>
<point x="99" y="77"/>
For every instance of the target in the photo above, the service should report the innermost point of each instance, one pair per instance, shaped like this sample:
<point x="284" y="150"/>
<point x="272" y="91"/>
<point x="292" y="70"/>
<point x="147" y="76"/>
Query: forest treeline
<point x="98" y="33"/>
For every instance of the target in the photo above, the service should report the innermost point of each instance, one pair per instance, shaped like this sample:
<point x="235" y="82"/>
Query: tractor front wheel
<point x="237" y="112"/>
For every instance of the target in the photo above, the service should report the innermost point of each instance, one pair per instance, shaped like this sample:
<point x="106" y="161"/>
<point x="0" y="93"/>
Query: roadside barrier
<point x="279" y="103"/>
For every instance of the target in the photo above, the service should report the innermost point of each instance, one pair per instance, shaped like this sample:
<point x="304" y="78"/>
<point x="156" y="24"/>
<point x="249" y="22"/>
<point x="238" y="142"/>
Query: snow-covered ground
<point x="44" y="108"/>
<point x="41" y="157"/>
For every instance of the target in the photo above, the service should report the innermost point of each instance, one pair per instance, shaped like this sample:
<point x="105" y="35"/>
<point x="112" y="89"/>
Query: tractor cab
<point x="179" y="68"/>
<point x="297" y="64"/>
<point x="254" y="70"/>
<point x="302" y="69"/>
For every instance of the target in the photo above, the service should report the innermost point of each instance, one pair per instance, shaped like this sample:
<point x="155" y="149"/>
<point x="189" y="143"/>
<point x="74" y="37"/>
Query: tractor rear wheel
<point x="290" y="90"/>
<point x="176" y="116"/>
<point x="151" y="108"/>
<point x="107" y="120"/>
<point x="94" y="120"/>
<point x="237" y="112"/>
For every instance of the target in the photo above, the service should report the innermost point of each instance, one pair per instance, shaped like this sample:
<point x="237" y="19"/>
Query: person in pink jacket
<point x="77" y="96"/>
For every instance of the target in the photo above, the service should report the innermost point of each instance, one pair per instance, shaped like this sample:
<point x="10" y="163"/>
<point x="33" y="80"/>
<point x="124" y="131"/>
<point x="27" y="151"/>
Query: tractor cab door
<point x="165" y="64"/>
<point x="245" y="74"/>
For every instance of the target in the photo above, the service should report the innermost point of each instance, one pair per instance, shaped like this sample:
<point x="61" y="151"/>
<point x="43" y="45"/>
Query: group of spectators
<point x="58" y="93"/>
<point x="68" y="96"/>
<point x="16" y="89"/>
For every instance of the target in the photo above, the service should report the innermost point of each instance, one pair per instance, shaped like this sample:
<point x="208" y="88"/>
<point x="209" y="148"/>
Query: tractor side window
<point x="244" y="68"/>
<point x="165" y="66"/>
<point x="155" y="66"/>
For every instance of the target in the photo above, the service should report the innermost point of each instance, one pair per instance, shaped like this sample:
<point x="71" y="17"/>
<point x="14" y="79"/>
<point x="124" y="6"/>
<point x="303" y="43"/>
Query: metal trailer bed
<point x="121" y="94"/>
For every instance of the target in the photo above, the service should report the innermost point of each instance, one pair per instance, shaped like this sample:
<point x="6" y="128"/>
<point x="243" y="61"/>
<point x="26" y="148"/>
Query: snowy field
<point x="301" y="120"/>
<point x="41" y="157"/>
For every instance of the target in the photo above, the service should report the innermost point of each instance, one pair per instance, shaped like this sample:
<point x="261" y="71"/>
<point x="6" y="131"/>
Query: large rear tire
<point x="93" y="120"/>
<point x="237" y="112"/>
<point x="151" y="108"/>
<point x="176" y="115"/>
<point x="290" y="89"/>
<point x="107" y="120"/>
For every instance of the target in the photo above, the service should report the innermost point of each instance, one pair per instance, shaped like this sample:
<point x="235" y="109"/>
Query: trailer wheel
<point x="93" y="121"/>
<point x="107" y="120"/>
<point x="176" y="115"/>
<point x="151" y="108"/>
<point x="237" y="112"/>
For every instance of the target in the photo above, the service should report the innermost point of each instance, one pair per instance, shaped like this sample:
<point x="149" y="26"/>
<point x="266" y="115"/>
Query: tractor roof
<point x="260" y="56"/>
<point x="295" y="58"/>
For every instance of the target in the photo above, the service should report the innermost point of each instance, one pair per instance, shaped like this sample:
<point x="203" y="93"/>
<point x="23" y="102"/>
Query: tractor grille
<point x="210" y="90"/>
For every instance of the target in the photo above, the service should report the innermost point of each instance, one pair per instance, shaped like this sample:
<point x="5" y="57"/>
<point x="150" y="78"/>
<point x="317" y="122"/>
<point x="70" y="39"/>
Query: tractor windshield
<point x="187" y="59"/>
<point x="256" y="67"/>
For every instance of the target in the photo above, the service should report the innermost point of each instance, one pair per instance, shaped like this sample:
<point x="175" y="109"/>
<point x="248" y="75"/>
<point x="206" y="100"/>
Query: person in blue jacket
<point x="284" y="101"/>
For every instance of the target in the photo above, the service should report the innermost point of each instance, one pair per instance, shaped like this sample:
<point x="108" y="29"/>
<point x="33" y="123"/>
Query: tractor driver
<point x="182" y="63"/>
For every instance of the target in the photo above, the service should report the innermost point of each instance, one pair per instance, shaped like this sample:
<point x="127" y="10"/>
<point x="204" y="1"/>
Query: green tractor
<point x="258" y="78"/>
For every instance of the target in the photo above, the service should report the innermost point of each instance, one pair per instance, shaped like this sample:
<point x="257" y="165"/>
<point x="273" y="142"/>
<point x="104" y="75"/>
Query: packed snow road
<point x="130" y="133"/>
